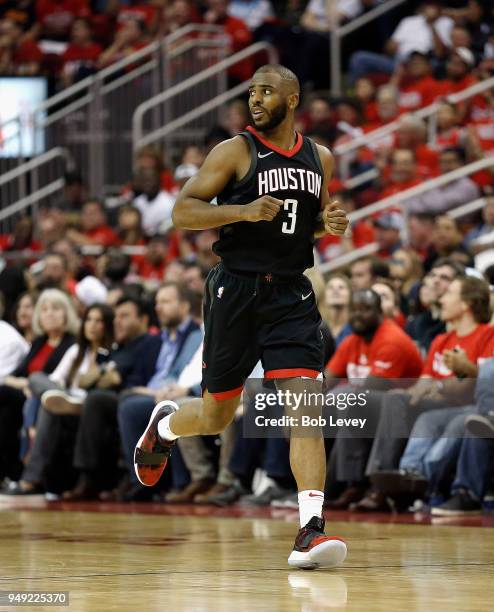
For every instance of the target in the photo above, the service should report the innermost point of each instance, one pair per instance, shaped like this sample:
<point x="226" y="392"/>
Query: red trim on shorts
<point x="273" y="147"/>
<point x="291" y="373"/>
<point x="224" y="395"/>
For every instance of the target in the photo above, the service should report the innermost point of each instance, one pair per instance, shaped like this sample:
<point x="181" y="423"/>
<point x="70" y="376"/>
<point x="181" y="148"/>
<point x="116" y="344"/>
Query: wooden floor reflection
<point x="150" y="563"/>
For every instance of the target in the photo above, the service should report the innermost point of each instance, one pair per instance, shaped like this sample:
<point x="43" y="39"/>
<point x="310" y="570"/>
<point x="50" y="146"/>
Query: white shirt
<point x="13" y="348"/>
<point x="191" y="375"/>
<point x="61" y="373"/>
<point x="155" y="213"/>
<point x="414" y="34"/>
<point x="347" y="8"/>
<point x="252" y="12"/>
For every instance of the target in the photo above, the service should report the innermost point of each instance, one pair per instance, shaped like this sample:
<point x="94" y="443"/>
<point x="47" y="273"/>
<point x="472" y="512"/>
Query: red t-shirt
<point x="390" y="354"/>
<point x="103" y="235"/>
<point x="79" y="53"/>
<point x="419" y="93"/>
<point x="38" y="362"/>
<point x="58" y="15"/>
<point x="394" y="188"/>
<point x="329" y="245"/>
<point x="473" y="344"/>
<point x="147" y="270"/>
<point x="27" y="52"/>
<point x="450" y="87"/>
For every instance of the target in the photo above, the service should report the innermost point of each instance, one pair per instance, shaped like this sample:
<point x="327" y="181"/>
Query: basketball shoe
<point x="151" y="453"/>
<point x="313" y="548"/>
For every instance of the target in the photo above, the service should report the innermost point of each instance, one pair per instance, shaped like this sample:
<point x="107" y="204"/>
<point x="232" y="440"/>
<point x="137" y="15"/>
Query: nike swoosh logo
<point x="304" y="297"/>
<point x="314" y="495"/>
<point x="261" y="155"/>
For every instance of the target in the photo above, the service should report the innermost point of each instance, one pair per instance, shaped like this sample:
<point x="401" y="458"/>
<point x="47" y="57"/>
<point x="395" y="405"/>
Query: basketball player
<point x="271" y="185"/>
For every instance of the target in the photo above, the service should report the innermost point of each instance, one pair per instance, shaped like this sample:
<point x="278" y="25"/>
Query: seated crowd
<point x="89" y="347"/>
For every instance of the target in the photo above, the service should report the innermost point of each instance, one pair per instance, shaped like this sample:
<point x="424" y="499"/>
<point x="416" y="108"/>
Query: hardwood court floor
<point x="141" y="559"/>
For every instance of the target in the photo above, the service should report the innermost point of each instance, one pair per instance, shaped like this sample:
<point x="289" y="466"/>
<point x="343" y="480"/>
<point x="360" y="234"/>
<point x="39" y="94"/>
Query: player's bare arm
<point x="193" y="209"/>
<point x="333" y="219"/>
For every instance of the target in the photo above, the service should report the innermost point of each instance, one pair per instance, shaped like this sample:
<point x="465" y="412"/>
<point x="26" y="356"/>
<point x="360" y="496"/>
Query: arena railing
<point x="423" y="113"/>
<point x="32" y="184"/>
<point x="92" y="117"/>
<point x="339" y="32"/>
<point x="399" y="200"/>
<point x="177" y="96"/>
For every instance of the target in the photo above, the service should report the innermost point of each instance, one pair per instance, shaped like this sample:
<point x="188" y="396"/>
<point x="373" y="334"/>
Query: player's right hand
<point x="263" y="209"/>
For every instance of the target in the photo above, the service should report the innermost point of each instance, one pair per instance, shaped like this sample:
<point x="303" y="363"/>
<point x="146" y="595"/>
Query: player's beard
<point x="276" y="116"/>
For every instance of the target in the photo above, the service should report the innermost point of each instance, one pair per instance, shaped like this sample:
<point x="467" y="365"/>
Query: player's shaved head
<point x="288" y="78"/>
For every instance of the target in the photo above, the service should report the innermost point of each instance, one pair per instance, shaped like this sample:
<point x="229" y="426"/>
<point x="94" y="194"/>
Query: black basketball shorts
<point x="248" y="318"/>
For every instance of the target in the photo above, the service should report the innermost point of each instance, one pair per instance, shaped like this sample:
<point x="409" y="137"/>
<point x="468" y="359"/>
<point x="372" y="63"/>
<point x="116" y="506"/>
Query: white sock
<point x="310" y="504"/>
<point x="164" y="430"/>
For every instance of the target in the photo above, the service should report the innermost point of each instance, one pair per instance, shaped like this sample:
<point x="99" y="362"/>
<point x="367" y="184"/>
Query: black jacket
<point x="53" y="360"/>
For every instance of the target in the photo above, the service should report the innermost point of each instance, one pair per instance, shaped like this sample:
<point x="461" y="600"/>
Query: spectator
<point x="154" y="204"/>
<point x="390" y="302"/>
<point x="129" y="226"/>
<point x="447" y="241"/>
<point x="21" y="239"/>
<point x="449" y="132"/>
<point x="81" y="56"/>
<point x="94" y="227"/>
<point x="336" y="306"/>
<point x="19" y="55"/>
<point x="194" y="277"/>
<point x="426" y="32"/>
<point x="238" y="34"/>
<point x="403" y="173"/>
<point x="484" y="228"/>
<point x="236" y="117"/>
<point x="366" y="271"/>
<point x="72" y="377"/>
<point x="151" y="267"/>
<point x="460" y="64"/>
<point x="166" y="356"/>
<point x="54" y="323"/>
<point x="97" y="443"/>
<point x="143" y="12"/>
<point x="76" y="268"/>
<point x="405" y="269"/>
<point x="465" y="307"/>
<point x="420" y="232"/>
<point x="132" y="37"/>
<point x="365" y="93"/>
<point x="22" y="316"/>
<point x="13" y="348"/>
<point x="376" y="352"/>
<point x="179" y="14"/>
<point x="388" y="226"/>
<point x="417" y="86"/>
<point x="55" y="18"/>
<point x="318" y="118"/>
<point x="54" y="273"/>
<point x="424" y="327"/>
<point x="451" y="195"/>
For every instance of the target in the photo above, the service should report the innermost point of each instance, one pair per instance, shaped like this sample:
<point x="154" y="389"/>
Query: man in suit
<point x="159" y="364"/>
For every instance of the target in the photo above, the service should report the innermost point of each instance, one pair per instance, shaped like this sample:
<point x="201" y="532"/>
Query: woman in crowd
<point x="57" y="420"/>
<point x="23" y="316"/>
<point x="335" y="307"/>
<point x="406" y="272"/>
<point x="54" y="324"/>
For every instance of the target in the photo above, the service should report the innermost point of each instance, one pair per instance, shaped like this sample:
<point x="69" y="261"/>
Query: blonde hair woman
<point x="336" y="305"/>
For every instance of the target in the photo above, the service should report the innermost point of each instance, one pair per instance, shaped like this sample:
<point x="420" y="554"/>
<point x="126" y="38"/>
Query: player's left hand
<point x="335" y="219"/>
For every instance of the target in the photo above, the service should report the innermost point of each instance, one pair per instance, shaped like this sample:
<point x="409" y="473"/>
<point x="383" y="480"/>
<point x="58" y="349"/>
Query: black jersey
<point x="283" y="246"/>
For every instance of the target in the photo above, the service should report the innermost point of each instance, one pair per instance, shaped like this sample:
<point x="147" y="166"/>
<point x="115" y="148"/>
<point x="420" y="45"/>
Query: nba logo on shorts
<point x="220" y="292"/>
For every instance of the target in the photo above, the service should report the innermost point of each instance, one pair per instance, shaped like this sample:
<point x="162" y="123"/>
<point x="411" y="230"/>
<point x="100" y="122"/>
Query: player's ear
<point x="293" y="100"/>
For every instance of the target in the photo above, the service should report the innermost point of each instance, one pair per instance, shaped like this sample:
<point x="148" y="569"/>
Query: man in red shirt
<point x="465" y="308"/>
<point x="80" y="57"/>
<point x="459" y="67"/>
<point x="94" y="228"/>
<point x="55" y="17"/>
<point x="239" y="34"/>
<point x="377" y="352"/>
<point x="17" y="56"/>
<point x="417" y="88"/>
<point x="403" y="172"/>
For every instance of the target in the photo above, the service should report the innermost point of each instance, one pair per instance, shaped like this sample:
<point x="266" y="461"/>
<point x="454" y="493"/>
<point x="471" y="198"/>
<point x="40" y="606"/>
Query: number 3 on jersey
<point x="288" y="227"/>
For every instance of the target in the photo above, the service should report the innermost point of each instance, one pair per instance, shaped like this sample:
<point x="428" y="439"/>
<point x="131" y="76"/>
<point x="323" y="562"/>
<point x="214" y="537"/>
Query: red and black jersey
<point x="284" y="246"/>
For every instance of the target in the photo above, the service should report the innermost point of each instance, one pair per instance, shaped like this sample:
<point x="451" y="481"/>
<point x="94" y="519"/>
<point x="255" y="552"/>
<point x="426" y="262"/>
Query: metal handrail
<point x="466" y="209"/>
<point x="348" y="258"/>
<point x="192" y="115"/>
<point x="438" y="181"/>
<point x="32" y="198"/>
<point x="341" y="31"/>
<point x="219" y="67"/>
<point x="116" y="67"/>
<point x="33" y="163"/>
<point x="422" y="113"/>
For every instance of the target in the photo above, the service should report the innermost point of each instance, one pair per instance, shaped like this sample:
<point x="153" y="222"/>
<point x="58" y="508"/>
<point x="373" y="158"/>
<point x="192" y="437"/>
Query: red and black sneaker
<point x="151" y="453"/>
<point x="313" y="548"/>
